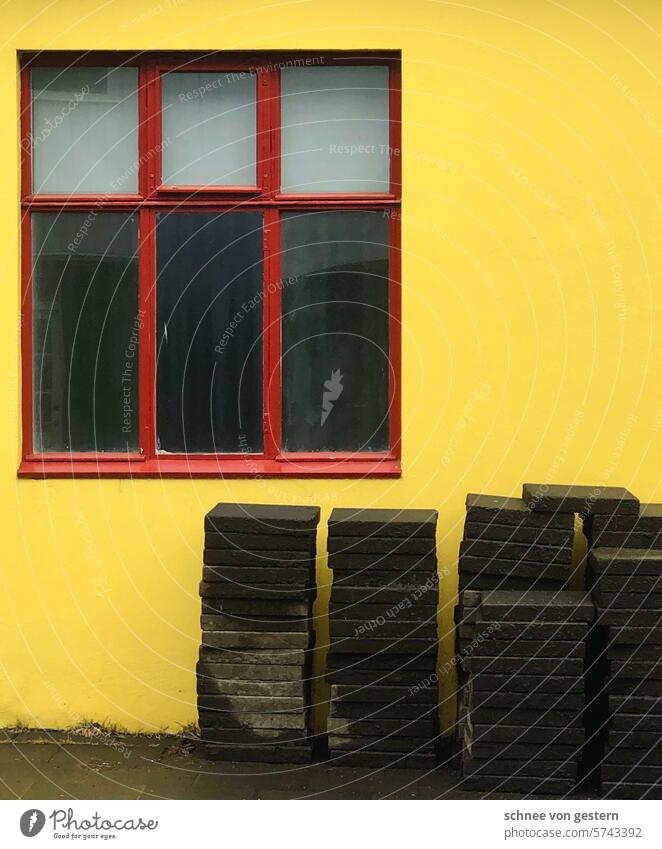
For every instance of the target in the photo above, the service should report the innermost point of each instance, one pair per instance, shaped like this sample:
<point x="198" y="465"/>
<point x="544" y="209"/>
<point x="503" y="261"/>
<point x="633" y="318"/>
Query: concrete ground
<point x="100" y="765"/>
<point x="97" y="764"/>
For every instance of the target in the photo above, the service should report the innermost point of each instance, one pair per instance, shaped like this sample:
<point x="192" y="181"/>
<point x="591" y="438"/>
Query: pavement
<point x="97" y="764"/>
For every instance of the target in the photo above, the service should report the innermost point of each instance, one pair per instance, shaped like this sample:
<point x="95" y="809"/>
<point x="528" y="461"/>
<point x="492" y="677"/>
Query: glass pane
<point x="85" y="331"/>
<point x="335" y="330"/>
<point x="209" y="129"/>
<point x="209" y="332"/>
<point x="335" y="129"/>
<point x="85" y="130"/>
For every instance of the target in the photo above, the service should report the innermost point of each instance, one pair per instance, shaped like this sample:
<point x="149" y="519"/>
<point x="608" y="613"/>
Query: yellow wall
<point x="532" y="260"/>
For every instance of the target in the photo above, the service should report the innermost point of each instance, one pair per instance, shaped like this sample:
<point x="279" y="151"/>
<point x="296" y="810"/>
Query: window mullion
<point x="269" y="152"/>
<point x="147" y="321"/>
<point x="149" y="141"/>
<point x="272" y="352"/>
<point x="395" y="330"/>
<point x="272" y="108"/>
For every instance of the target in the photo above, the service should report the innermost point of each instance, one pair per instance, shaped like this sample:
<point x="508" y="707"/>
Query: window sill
<point x="244" y="467"/>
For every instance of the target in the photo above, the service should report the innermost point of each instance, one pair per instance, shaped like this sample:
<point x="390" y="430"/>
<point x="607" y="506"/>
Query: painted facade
<point x="531" y="263"/>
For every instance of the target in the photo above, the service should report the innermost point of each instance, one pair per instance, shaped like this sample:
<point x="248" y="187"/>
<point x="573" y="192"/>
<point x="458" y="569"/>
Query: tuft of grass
<point x="184" y="742"/>
<point x="91" y="730"/>
<point x="105" y="733"/>
<point x="190" y="730"/>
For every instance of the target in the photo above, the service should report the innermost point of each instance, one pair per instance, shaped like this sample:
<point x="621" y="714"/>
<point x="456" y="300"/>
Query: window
<point x="211" y="265"/>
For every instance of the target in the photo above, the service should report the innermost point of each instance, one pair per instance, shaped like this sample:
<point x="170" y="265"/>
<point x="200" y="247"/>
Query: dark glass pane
<point x="209" y="332"/>
<point x="335" y="329"/>
<point x="85" y="331"/>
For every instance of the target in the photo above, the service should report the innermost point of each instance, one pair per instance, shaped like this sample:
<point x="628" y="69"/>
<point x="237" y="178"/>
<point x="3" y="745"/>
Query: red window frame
<point x="266" y="197"/>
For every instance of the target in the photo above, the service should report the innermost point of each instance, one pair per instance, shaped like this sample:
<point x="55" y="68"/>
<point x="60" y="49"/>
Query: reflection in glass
<point x="335" y="331"/>
<point x="85" y="332"/>
<point x="209" y="295"/>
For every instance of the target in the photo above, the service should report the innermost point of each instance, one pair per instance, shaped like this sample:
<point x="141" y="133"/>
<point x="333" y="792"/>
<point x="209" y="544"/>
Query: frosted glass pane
<point x="209" y="124"/>
<point x="85" y="130"/>
<point x="335" y="130"/>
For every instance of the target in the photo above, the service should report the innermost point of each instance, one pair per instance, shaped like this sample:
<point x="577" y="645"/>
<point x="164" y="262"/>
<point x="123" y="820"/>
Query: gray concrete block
<point x="254" y="640"/>
<point x="502" y="510"/>
<point x="363" y="522"/>
<point x="276" y="657"/>
<point x="558" y="537"/>
<point x="557" y="498"/>
<point x="261" y="518"/>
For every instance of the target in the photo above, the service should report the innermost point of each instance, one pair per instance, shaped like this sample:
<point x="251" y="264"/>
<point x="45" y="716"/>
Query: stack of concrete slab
<point x="506" y="546"/>
<point x="629" y="530"/>
<point x="381" y="663"/>
<point x="627" y="590"/>
<point x="607" y="511"/>
<point x="257" y="590"/>
<point x="525" y="693"/>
